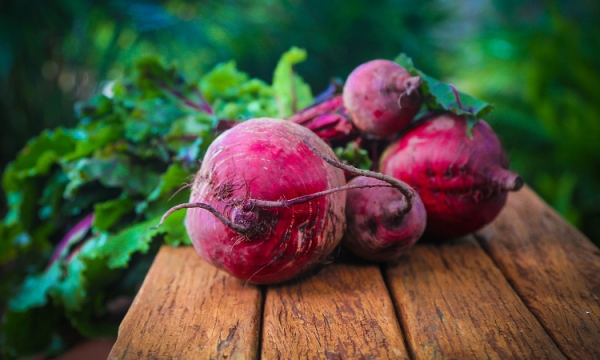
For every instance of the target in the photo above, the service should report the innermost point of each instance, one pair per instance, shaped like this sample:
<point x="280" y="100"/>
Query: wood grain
<point x="343" y="312"/>
<point x="454" y="303"/>
<point x="553" y="267"/>
<point x="187" y="309"/>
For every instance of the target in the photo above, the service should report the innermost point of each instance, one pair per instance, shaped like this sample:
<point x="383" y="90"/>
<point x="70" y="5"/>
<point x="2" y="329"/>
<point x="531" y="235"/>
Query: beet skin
<point x="378" y="230"/>
<point x="381" y="97"/>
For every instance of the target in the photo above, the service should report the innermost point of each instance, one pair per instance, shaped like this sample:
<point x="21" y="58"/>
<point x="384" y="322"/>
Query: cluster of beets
<point x="271" y="200"/>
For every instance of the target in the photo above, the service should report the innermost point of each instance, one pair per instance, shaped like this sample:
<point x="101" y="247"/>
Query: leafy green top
<point x="82" y="201"/>
<point x="445" y="97"/>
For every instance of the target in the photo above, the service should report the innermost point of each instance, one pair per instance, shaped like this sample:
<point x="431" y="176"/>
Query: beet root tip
<point x="518" y="183"/>
<point x="506" y="180"/>
<point x="412" y="84"/>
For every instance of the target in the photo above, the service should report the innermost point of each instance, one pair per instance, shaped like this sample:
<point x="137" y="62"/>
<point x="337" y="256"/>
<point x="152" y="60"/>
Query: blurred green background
<point x="537" y="61"/>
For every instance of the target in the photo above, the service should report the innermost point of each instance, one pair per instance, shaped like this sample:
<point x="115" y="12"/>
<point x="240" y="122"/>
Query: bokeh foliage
<point x="53" y="53"/>
<point x="539" y="62"/>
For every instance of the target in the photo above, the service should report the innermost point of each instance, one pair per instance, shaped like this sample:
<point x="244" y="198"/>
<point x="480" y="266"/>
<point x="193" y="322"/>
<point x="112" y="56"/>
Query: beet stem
<point x="457" y="96"/>
<point x="406" y="190"/>
<point x="235" y="227"/>
<point x="75" y="234"/>
<point x="305" y="198"/>
<point x="251" y="203"/>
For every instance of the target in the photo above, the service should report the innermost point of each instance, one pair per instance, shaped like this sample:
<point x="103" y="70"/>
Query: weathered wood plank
<point x="454" y="303"/>
<point x="553" y="267"/>
<point x="343" y="312"/>
<point x="187" y="309"/>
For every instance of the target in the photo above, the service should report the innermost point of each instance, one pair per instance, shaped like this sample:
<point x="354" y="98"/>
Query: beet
<point x="378" y="229"/>
<point x="381" y="97"/>
<point x="462" y="181"/>
<point x="328" y="119"/>
<point x="249" y="229"/>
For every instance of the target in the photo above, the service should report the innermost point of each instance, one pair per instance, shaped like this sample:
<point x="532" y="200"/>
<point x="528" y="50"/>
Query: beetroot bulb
<point x="381" y="97"/>
<point x="377" y="229"/>
<point x="462" y="181"/>
<point x="251" y="231"/>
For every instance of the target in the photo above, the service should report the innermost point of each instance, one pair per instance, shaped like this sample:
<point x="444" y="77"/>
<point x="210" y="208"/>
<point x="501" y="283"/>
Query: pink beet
<point x="238" y="218"/>
<point x="381" y="97"/>
<point x="377" y="229"/>
<point x="462" y="181"/>
<point x="329" y="120"/>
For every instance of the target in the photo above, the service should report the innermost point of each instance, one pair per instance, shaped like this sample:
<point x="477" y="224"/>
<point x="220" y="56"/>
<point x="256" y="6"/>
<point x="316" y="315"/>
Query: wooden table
<point x="526" y="287"/>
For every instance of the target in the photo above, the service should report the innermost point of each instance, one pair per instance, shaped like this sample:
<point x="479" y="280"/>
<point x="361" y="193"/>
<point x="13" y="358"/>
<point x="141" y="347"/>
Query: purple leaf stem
<point x="75" y="234"/>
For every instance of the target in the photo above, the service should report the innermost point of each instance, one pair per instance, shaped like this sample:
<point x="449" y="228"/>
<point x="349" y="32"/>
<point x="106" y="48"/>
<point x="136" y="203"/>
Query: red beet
<point x="462" y="181"/>
<point x="377" y="229"/>
<point x="251" y="231"/>
<point x="329" y="120"/>
<point x="381" y="97"/>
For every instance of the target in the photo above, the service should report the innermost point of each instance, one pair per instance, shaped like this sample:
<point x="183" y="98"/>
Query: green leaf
<point x="406" y="62"/>
<point x="88" y="270"/>
<point x="93" y="137"/>
<point x="51" y="198"/>
<point x="172" y="180"/>
<point x="20" y="234"/>
<point x="72" y="289"/>
<point x="82" y="202"/>
<point x="88" y="322"/>
<point x="153" y="77"/>
<point x="156" y="81"/>
<point x="175" y="230"/>
<point x="29" y="332"/>
<point x="22" y="203"/>
<point x="223" y="81"/>
<point x="7" y="250"/>
<point x="291" y="92"/>
<point x="99" y="107"/>
<point x="108" y="213"/>
<point x="118" y="171"/>
<point x="85" y="273"/>
<point x="190" y="136"/>
<point x="34" y="292"/>
<point x="234" y="96"/>
<point x="150" y="118"/>
<point x="445" y="97"/>
<point x="118" y="248"/>
<point x="354" y="155"/>
<point x="37" y="157"/>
